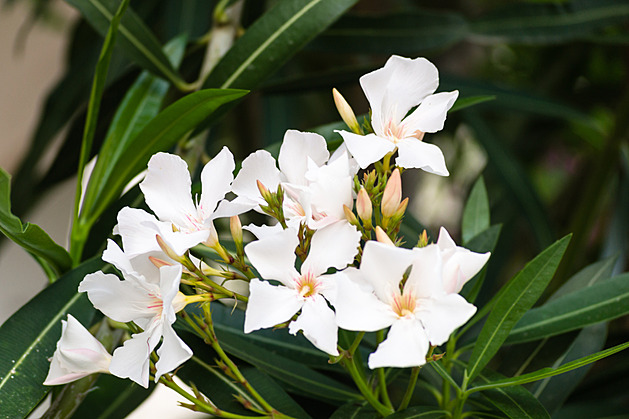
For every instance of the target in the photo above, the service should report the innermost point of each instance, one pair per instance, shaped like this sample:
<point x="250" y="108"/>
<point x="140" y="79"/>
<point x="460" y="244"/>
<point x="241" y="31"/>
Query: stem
<point x="382" y="380"/>
<point x="364" y="388"/>
<point x="410" y="389"/>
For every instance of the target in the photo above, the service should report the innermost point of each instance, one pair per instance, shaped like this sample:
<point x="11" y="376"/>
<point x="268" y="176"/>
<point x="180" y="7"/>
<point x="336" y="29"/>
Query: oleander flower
<point x="150" y="302"/>
<point x="418" y="310"/>
<point x="78" y="355"/>
<point x="392" y="91"/>
<point x="316" y="185"/>
<point x="307" y="290"/>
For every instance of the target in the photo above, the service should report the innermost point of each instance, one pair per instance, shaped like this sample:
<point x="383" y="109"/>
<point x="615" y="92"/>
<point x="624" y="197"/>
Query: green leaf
<point x="548" y="23"/>
<point x="273" y="393"/>
<point x="468" y="101"/>
<point x="483" y="242"/>
<point x="161" y="133"/>
<point x="518" y="295"/>
<point x="515" y="402"/>
<point x="355" y="411"/>
<point x="586" y="277"/>
<point x="28" y="339"/>
<point x="136" y="40"/>
<point x="272" y="40"/>
<point x="141" y="104"/>
<point x="407" y="32"/>
<point x="476" y="212"/>
<point x="550" y="372"/>
<point x="112" y="398"/>
<point x="423" y="412"/>
<point x="515" y="178"/>
<point x="552" y="392"/>
<point x="30" y="236"/>
<point x="602" y="301"/>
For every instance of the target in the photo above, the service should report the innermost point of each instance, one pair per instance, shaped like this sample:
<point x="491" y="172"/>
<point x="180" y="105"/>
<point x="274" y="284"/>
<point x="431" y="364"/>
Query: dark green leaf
<point x="355" y="411"/>
<point x="137" y="41"/>
<point x="272" y="40"/>
<point x="483" y="242"/>
<point x="602" y="301"/>
<point x="476" y="212"/>
<point x="586" y="277"/>
<point x="550" y="372"/>
<point x="423" y="412"/>
<point x="161" y="133"/>
<point x="406" y="32"/>
<point x="548" y="23"/>
<point x="30" y="236"/>
<point x="28" y="339"/>
<point x="468" y="101"/>
<point x="273" y="393"/>
<point x="519" y="294"/>
<point x="515" y="402"/>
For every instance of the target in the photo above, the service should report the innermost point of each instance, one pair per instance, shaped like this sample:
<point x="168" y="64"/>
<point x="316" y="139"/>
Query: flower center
<point x="404" y="304"/>
<point x="156" y="304"/>
<point x="397" y="132"/>
<point x="307" y="285"/>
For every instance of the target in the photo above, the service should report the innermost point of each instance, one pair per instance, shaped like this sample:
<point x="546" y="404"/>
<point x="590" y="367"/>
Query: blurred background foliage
<point x="550" y="138"/>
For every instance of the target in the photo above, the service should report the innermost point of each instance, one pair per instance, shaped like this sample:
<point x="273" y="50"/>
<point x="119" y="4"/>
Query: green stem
<point x="410" y="388"/>
<point x="382" y="380"/>
<point x="364" y="388"/>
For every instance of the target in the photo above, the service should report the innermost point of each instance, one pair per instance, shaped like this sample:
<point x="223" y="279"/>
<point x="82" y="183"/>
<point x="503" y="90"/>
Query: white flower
<point x="419" y="311"/>
<point x="316" y="185"/>
<point x="167" y="192"/>
<point x="459" y="264"/>
<point x="78" y="355"/>
<point x="148" y="300"/>
<point x="392" y="91"/>
<point x="274" y="257"/>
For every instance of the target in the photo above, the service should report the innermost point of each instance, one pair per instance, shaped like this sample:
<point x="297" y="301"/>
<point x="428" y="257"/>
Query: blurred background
<point x="549" y="133"/>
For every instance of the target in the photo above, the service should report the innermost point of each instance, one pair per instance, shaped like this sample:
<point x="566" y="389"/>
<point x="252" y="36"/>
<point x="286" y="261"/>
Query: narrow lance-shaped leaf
<point x="476" y="211"/>
<point x="515" y="402"/>
<point x="272" y="40"/>
<point x="519" y="294"/>
<point x="30" y="236"/>
<point x="28" y="339"/>
<point x="141" y="104"/>
<point x="602" y="301"/>
<point x="136" y="39"/>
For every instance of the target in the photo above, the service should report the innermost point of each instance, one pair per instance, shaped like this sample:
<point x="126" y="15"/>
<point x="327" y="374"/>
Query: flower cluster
<point x="320" y="266"/>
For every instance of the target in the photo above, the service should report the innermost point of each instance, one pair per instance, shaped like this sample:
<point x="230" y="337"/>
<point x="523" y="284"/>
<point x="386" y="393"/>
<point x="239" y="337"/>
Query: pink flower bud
<point x="392" y="195"/>
<point x="363" y="205"/>
<point x="382" y="237"/>
<point x="346" y="112"/>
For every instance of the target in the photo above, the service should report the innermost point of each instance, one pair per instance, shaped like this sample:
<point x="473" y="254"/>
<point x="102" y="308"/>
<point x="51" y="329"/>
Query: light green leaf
<point x="140" y="105"/>
<point x="161" y="133"/>
<point x="517" y="296"/>
<point x="30" y="237"/>
<point x="28" y="339"/>
<point x="272" y="40"/>
<point x="476" y="212"/>
<point x="136" y="40"/>
<point x="550" y="372"/>
<point x="515" y="402"/>
<point x="602" y="301"/>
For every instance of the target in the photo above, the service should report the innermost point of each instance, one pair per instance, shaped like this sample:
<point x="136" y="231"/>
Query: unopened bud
<point x="212" y="240"/>
<point x="392" y="195"/>
<point x="363" y="205"/>
<point x="158" y="262"/>
<point x="236" y="229"/>
<point x="382" y="236"/>
<point x="266" y="195"/>
<point x="369" y="180"/>
<point x="399" y="213"/>
<point x="167" y="249"/>
<point x="423" y="239"/>
<point x="346" y="112"/>
<point x="351" y="218"/>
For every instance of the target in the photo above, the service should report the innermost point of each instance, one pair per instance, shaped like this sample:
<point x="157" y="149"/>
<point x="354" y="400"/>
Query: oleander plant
<point x="283" y="209"/>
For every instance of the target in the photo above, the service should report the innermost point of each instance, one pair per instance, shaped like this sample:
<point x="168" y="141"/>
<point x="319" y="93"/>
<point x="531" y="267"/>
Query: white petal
<point x="317" y="322"/>
<point x="113" y="254"/>
<point x="334" y="246"/>
<point x="406" y="346"/>
<point x="444" y="315"/>
<point x="274" y="256"/>
<point x="172" y="352"/>
<point x="257" y="166"/>
<point x="236" y="206"/>
<point x="459" y="263"/>
<point x="394" y="89"/>
<point x="269" y="305"/>
<point x="430" y="115"/>
<point x="415" y="154"/>
<point x="216" y="178"/>
<point x="263" y="231"/>
<point x="166" y="189"/>
<point x="170" y="278"/>
<point x="358" y="309"/>
<point x="383" y="266"/>
<point x="122" y="301"/>
<point x="181" y="241"/>
<point x="137" y="228"/>
<point x="331" y="188"/>
<point x="295" y="151"/>
<point x="131" y="360"/>
<point x="425" y="279"/>
<point x="366" y="149"/>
